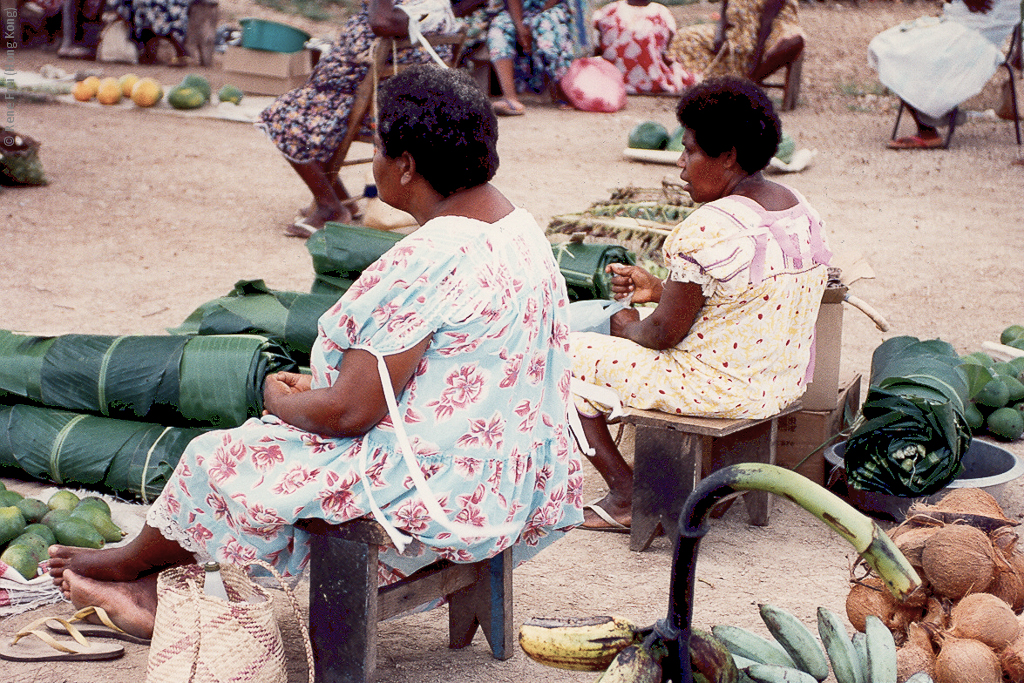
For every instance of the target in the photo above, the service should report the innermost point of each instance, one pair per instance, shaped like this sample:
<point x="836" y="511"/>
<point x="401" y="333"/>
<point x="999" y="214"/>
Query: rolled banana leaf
<point x="583" y="267"/>
<point x="286" y="318"/>
<point x="340" y="252"/>
<point x="201" y="381"/>
<point x="126" y="457"/>
<point x="914" y="433"/>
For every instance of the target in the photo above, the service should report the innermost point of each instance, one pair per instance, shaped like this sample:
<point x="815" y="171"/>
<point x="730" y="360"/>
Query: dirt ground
<point x="148" y="216"/>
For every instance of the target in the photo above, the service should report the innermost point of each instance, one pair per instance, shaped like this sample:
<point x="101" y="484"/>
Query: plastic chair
<point x="950" y="120"/>
<point x="363" y="104"/>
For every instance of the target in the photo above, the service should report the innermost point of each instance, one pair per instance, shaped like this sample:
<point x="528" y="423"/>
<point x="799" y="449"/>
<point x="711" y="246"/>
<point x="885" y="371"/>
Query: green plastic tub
<point x="260" y="34"/>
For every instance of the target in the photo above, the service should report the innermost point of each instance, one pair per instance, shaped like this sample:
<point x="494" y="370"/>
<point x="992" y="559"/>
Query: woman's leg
<point x="329" y="205"/>
<point x="505" y="71"/>
<point x="148" y="551"/>
<point x="615" y="471"/>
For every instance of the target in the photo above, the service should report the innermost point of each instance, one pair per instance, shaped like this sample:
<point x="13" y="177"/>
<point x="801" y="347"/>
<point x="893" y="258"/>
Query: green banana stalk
<point x="577" y="643"/>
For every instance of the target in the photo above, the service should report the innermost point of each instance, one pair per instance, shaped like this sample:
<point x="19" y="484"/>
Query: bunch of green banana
<point x="793" y="657"/>
<point x="578" y="643"/>
<point x="866" y="658"/>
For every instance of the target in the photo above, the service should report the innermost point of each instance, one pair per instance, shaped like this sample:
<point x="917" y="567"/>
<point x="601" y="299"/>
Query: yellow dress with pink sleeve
<point x="748" y="352"/>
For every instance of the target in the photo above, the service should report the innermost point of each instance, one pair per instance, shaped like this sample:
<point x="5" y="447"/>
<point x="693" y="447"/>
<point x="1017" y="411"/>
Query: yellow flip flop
<point x="48" y="649"/>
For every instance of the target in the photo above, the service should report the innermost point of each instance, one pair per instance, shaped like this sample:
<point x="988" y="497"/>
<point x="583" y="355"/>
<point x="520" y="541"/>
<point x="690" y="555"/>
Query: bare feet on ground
<point x="131" y="605"/>
<point x="104" y="565"/>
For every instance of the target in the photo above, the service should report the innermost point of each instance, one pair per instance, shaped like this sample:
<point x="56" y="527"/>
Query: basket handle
<point x="295" y="609"/>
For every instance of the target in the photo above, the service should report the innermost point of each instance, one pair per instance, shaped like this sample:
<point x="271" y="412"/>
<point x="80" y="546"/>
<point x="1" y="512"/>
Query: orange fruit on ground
<point x="86" y="89"/>
<point x="127" y="82"/>
<point x="109" y="91"/>
<point x="147" y="92"/>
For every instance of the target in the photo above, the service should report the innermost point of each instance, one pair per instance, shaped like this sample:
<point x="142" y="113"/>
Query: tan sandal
<point x="49" y="649"/>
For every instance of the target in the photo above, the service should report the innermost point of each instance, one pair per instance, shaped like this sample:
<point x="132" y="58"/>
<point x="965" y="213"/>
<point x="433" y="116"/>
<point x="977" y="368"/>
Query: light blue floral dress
<point x="485" y="415"/>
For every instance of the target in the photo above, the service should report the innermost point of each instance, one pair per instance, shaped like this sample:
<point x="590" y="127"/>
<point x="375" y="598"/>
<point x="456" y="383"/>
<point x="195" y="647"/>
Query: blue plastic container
<point x="272" y="36"/>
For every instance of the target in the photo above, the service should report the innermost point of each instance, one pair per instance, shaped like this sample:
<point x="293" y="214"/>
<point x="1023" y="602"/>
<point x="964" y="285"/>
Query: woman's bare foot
<point x="131" y="605"/>
<point x="619" y="511"/>
<point x="110" y="564"/>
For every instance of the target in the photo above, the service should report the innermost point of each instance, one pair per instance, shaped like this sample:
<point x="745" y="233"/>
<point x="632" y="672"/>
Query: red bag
<point x="594" y="84"/>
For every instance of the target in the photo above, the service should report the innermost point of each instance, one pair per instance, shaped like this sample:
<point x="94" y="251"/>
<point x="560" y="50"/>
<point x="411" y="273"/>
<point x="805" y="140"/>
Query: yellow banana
<point x="577" y="643"/>
<point x="634" y="664"/>
<point x="881" y="648"/>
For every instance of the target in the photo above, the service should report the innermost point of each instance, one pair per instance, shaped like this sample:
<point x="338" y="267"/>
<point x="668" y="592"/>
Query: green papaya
<point x="675" y="141"/>
<point x="1006" y="423"/>
<point x="978" y="358"/>
<point x="42" y="531"/>
<point x="37" y="544"/>
<point x="21" y="558"/>
<point x="32" y="508"/>
<point x="648" y="135"/>
<point x="185" y="97"/>
<point x="55" y="517"/>
<point x="975" y="418"/>
<point x="12" y="523"/>
<point x="100" y="520"/>
<point x="199" y="83"/>
<point x="8" y="497"/>
<point x="787" y="145"/>
<point x="77" y="532"/>
<point x="97" y="502"/>
<point x="1010" y="333"/>
<point x="1014" y="388"/>
<point x="230" y="93"/>
<point x="994" y="394"/>
<point x="63" y="500"/>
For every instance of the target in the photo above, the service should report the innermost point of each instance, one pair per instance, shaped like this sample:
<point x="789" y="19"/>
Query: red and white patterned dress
<point x="634" y="38"/>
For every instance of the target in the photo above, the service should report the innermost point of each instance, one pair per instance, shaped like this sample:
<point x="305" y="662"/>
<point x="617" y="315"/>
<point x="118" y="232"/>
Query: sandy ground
<point x="148" y="216"/>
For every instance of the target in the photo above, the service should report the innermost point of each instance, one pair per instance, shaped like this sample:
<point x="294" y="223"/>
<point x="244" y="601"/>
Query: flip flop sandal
<point x="49" y="649"/>
<point x="106" y="629"/>
<point x="915" y="142"/>
<point x="614" y="526"/>
<point x="505" y="108"/>
<point x="300" y="228"/>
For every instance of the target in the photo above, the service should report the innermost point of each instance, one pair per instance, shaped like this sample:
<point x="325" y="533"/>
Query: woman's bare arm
<point x="670" y="322"/>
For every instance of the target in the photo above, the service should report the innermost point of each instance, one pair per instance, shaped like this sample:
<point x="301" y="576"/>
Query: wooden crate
<point x="804" y="431"/>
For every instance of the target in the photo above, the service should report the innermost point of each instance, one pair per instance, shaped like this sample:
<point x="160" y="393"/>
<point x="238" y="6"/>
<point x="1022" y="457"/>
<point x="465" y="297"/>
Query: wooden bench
<point x="671" y="451"/>
<point x="345" y="603"/>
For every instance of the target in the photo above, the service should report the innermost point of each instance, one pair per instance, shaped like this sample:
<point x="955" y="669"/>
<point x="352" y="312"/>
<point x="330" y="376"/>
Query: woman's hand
<point x="620" y="319"/>
<point x="668" y="324"/>
<point x="634" y="280"/>
<point x="282" y="384"/>
<point x="524" y="37"/>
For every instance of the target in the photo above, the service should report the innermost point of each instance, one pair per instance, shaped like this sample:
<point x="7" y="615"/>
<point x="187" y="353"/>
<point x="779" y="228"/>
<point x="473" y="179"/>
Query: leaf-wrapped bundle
<point x="914" y="434"/>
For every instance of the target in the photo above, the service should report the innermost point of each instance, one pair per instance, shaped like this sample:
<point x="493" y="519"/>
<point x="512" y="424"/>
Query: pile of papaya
<point x="193" y="92"/>
<point x="996" y="402"/>
<point x="28" y="526"/>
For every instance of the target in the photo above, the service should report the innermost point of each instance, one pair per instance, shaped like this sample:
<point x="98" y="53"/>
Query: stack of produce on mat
<point x="996" y="387"/>
<point x="964" y="625"/>
<point x="912" y="431"/>
<point x="193" y="92"/>
<point x="637" y="218"/>
<point x="655" y="136"/>
<point x="116" y="413"/>
<point x="29" y="526"/>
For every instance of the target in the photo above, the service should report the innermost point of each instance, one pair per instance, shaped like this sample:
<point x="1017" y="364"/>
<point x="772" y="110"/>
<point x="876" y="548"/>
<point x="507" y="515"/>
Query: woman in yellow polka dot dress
<point x="733" y="332"/>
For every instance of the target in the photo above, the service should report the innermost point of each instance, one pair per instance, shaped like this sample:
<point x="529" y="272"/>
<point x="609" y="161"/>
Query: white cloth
<point x="935" y="63"/>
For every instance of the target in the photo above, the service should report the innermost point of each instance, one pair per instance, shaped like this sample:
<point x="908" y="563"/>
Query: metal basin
<point x="986" y="466"/>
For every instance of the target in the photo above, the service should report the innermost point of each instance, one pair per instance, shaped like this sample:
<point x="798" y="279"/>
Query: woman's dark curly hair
<point x="732" y="112"/>
<point x="444" y="121"/>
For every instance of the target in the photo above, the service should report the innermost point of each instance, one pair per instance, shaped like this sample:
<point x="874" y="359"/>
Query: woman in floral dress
<point x="465" y="321"/>
<point x="307" y="124"/>
<point x="734" y="326"/>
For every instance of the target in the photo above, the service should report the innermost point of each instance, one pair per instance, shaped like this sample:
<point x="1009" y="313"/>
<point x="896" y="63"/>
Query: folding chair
<point x="950" y="120"/>
<point x="380" y="69"/>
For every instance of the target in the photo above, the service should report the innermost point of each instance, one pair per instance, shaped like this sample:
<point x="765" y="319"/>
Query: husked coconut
<point x="1008" y="583"/>
<point x="916" y="654"/>
<point x="973" y="501"/>
<point x="1011" y="659"/>
<point x="958" y="559"/>
<point x="963" y="660"/>
<point x="871" y="597"/>
<point x="911" y="542"/>
<point x="984" y="617"/>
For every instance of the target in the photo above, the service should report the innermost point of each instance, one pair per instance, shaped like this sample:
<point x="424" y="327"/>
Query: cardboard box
<point x="261" y="72"/>
<point x="823" y="390"/>
<point x="804" y="431"/>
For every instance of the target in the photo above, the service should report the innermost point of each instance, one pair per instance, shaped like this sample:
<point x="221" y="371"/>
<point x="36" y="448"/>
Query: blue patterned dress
<point x="485" y="414"/>
<point x="553" y="46"/>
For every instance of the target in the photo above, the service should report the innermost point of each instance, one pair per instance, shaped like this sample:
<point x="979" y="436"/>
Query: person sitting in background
<point x="633" y="35"/>
<point x="934" y="64"/>
<point x="308" y="123"/>
<point x="462" y="328"/>
<point x="752" y="39"/>
<point x="733" y="329"/>
<point x="531" y="48"/>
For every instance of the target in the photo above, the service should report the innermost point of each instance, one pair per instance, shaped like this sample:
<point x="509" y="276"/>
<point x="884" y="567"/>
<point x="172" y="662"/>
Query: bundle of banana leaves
<point x="201" y="381"/>
<point x="340" y="252"/>
<point x="913" y="433"/>
<point x="287" y="318"/>
<point x="583" y="267"/>
<point x="127" y="457"/>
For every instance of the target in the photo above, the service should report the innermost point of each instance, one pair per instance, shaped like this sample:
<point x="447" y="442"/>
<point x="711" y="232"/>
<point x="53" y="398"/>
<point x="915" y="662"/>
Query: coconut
<point x="871" y="597"/>
<point x="935" y="613"/>
<point x="911" y="542"/>
<point x="1008" y="583"/>
<point x="1011" y="659"/>
<point x="972" y="501"/>
<point x="916" y="655"/>
<point x="962" y="660"/>
<point x="958" y="559"/>
<point x="984" y="617"/>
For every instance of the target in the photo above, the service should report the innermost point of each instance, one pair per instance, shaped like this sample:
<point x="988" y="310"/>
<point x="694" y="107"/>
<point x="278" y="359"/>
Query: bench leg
<point x="756" y="444"/>
<point x="661" y="484"/>
<point x="343" y="610"/>
<point x="488" y="604"/>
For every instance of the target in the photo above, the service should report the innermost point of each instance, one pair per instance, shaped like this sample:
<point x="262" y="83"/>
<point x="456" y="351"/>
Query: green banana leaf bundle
<point x="127" y="457"/>
<point x="914" y="434"/>
<point x="287" y="318"/>
<point x="583" y="267"/>
<point x="341" y="252"/>
<point x="207" y="381"/>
